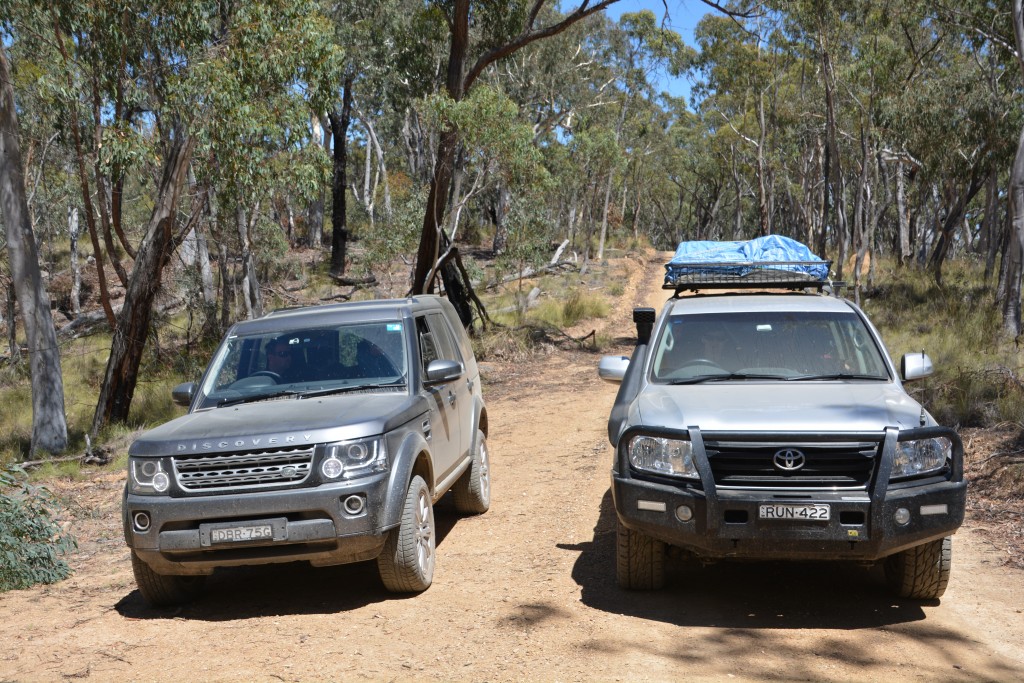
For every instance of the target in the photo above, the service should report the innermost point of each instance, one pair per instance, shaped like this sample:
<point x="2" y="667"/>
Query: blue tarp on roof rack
<point x="739" y="258"/>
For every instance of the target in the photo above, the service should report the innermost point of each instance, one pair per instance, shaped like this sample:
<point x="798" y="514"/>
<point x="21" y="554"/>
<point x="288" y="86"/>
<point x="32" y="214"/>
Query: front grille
<point x="841" y="465"/>
<point x="248" y="470"/>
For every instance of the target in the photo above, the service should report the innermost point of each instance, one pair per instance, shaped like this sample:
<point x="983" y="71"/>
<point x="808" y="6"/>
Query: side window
<point x="446" y="347"/>
<point x="425" y="340"/>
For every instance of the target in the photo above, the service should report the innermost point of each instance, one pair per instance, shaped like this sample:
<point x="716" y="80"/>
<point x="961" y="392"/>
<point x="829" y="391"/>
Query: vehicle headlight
<point x="147" y="476"/>
<point x="922" y="456"/>
<point x="350" y="459"/>
<point x="671" y="457"/>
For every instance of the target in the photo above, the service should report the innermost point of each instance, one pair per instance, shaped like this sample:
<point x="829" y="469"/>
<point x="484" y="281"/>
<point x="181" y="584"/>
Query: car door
<point x="445" y="428"/>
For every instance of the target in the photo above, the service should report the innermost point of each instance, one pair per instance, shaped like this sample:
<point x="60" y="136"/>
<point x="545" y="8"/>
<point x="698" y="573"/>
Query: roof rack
<point x="748" y="275"/>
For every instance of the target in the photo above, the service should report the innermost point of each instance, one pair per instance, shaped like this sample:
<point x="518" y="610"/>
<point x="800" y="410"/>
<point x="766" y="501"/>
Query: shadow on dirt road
<point x="777" y="595"/>
<point x="283" y="589"/>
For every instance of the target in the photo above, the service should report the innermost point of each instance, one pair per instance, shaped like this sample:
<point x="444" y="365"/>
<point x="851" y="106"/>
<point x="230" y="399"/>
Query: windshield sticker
<point x="394" y="327"/>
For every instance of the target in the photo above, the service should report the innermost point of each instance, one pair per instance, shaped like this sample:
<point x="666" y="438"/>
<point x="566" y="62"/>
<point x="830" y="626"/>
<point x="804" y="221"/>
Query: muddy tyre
<point x="472" y="492"/>
<point x="639" y="560"/>
<point x="406" y="565"/>
<point x="921" y="572"/>
<point x="161" y="590"/>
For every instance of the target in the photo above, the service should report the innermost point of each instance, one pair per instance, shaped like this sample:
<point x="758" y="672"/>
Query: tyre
<point x="639" y="560"/>
<point x="472" y="492"/>
<point x="162" y="590"/>
<point x="921" y="572"/>
<point x="406" y="565"/>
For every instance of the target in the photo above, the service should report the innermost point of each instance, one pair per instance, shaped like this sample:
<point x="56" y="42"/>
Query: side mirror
<point x="183" y="393"/>
<point x="613" y="368"/>
<point x="443" y="371"/>
<point x="644" y="318"/>
<point x="915" y="366"/>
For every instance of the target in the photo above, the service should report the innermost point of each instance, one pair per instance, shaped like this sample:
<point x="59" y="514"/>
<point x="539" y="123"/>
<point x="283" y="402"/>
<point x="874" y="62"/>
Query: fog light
<point x="141" y="522"/>
<point x="684" y="513"/>
<point x="353" y="505"/>
<point x="902" y="516"/>
<point x="161" y="482"/>
<point x="332" y="468"/>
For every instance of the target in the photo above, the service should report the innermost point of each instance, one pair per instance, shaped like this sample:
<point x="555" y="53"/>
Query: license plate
<point x="801" y="513"/>
<point x="251" y="532"/>
<point x="235" y="534"/>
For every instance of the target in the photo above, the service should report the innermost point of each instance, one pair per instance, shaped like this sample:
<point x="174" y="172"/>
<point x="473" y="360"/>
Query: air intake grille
<point x="741" y="465"/>
<point x="237" y="471"/>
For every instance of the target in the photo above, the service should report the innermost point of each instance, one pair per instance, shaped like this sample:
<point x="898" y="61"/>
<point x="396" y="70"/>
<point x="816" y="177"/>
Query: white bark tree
<point x="49" y="423"/>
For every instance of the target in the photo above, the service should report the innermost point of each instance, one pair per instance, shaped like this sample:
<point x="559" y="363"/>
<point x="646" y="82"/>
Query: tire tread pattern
<point x="639" y="560"/>
<point x="921" y="572"/>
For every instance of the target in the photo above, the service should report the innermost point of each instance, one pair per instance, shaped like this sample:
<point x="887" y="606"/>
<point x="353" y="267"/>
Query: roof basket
<point x="694" y="276"/>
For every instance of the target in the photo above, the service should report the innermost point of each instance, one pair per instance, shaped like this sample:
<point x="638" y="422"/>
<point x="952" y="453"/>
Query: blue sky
<point x="683" y="17"/>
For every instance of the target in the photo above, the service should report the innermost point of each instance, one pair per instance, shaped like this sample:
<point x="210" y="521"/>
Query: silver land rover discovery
<point x="322" y="434"/>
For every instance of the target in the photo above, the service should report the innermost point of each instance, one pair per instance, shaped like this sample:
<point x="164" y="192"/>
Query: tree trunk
<point x="49" y="423"/>
<point x="76" y="268"/>
<point x="133" y="321"/>
<point x="315" y="211"/>
<point x="500" y="242"/>
<point x="1015" y="247"/>
<point x="339" y="215"/>
<point x="604" y="218"/>
<point x="250" y="279"/>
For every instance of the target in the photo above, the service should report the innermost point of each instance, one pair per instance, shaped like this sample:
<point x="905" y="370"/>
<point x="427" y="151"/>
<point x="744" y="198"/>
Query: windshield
<point x="784" y="345"/>
<point x="354" y="356"/>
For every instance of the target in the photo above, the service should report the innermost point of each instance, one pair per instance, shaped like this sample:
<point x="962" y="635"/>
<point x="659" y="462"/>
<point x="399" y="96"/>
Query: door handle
<point x="451" y="398"/>
<point x="469" y="383"/>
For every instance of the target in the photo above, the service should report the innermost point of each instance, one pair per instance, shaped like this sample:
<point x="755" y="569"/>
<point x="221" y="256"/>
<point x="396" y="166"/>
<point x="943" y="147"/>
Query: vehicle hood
<point x="779" y="406"/>
<point x="269" y="424"/>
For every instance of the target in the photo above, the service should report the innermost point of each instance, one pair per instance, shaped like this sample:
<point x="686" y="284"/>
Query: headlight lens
<point x="147" y="476"/>
<point x="671" y="457"/>
<point x="351" y="459"/>
<point x="923" y="456"/>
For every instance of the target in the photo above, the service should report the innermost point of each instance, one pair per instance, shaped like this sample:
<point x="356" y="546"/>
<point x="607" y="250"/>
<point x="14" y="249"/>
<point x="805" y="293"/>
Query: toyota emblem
<point x="789" y="460"/>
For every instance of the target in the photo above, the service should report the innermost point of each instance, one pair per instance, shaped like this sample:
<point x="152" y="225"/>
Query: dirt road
<point x="525" y="591"/>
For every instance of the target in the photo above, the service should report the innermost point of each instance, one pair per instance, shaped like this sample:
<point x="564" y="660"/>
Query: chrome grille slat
<point x="245" y="470"/>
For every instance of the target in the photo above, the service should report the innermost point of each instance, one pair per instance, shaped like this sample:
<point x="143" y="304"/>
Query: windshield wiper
<point x="259" y="397"/>
<point x="838" y="375"/>
<point x="731" y="377"/>
<point x="347" y="389"/>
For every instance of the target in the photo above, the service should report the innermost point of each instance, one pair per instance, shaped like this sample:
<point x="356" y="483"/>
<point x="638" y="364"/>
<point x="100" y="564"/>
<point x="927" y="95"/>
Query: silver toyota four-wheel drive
<point x="323" y="434"/>
<point x="761" y="425"/>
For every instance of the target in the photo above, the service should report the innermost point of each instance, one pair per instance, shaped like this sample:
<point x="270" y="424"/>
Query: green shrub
<point x="31" y="540"/>
<point x="580" y="306"/>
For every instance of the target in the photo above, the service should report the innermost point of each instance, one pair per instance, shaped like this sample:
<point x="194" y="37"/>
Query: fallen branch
<point x="354" y="281"/>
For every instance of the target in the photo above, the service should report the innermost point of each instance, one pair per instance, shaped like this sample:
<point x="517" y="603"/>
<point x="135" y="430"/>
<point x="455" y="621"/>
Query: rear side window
<point x="435" y="340"/>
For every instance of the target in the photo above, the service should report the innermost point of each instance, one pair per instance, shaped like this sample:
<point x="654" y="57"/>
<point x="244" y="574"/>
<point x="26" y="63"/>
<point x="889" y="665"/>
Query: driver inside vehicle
<point x="281" y="359"/>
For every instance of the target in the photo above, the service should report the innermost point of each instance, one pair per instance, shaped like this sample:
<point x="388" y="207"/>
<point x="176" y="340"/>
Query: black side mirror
<point x="183" y="393"/>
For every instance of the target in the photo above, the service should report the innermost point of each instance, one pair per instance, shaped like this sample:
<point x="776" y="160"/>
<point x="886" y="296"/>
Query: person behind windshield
<point x="281" y="359"/>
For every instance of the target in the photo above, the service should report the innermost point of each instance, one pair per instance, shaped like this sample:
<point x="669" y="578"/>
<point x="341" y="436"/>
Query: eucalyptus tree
<point x="145" y="96"/>
<point x="392" y="50"/>
<point x="49" y="424"/>
<point x="507" y="27"/>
